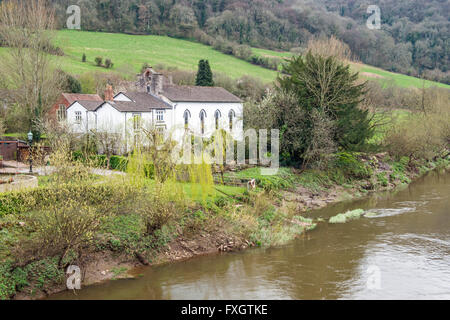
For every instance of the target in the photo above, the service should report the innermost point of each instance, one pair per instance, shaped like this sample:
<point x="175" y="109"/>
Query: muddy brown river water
<point x="402" y="253"/>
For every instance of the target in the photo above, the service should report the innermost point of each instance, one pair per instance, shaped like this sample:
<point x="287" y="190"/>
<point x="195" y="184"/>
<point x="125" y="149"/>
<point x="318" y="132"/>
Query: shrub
<point x="108" y="64"/>
<point x="118" y="163"/>
<point x="99" y="61"/>
<point x="351" y="166"/>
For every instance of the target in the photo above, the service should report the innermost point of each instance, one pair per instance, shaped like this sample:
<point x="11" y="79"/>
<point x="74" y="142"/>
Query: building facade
<point x="172" y="109"/>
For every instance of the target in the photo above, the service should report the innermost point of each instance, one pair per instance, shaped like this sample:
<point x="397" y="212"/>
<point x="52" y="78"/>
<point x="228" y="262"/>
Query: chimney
<point x="157" y="83"/>
<point x="109" y="93"/>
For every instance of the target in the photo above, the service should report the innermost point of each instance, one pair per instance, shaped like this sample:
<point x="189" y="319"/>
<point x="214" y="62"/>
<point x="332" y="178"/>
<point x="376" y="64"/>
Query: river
<point x="403" y="253"/>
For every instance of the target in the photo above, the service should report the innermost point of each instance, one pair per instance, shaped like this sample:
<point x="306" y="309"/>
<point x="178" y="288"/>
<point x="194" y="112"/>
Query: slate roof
<point x="142" y="101"/>
<point x="198" y="94"/>
<point x="72" y="97"/>
<point x="91" y="105"/>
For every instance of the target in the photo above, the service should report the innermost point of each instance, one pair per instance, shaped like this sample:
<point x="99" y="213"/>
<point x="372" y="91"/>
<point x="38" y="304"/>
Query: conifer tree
<point x="204" y="74"/>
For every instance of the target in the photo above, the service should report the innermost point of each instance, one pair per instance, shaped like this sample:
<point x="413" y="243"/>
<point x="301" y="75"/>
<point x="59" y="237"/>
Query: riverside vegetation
<point x="341" y="137"/>
<point x="149" y="215"/>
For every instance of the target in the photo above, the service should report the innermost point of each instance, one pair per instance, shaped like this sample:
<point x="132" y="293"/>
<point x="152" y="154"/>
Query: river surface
<point x="403" y="253"/>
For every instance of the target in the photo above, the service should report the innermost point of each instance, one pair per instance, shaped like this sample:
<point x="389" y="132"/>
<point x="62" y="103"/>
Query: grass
<point x="397" y="116"/>
<point x="387" y="78"/>
<point x="396" y="79"/>
<point x="129" y="52"/>
<point x="283" y="179"/>
<point x="348" y="216"/>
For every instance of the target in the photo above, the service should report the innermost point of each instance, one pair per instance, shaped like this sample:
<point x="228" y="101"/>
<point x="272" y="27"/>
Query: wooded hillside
<point x="413" y="40"/>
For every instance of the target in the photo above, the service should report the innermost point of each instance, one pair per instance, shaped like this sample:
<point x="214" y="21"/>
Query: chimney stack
<point x="109" y="93"/>
<point x="157" y="83"/>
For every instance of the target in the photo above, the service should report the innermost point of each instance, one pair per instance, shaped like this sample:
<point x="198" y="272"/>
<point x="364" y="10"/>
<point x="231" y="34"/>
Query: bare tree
<point x="327" y="47"/>
<point x="27" y="69"/>
<point x="2" y="127"/>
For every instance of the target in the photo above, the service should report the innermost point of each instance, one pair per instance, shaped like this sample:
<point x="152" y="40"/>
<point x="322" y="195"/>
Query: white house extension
<point x="170" y="108"/>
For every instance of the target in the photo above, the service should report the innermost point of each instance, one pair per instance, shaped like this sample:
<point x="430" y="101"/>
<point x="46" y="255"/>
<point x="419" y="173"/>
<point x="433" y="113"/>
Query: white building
<point x="170" y="108"/>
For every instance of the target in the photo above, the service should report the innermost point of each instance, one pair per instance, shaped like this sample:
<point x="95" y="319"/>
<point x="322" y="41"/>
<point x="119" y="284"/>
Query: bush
<point x="108" y="64"/>
<point x="118" y="163"/>
<point x="99" y="61"/>
<point x="36" y="199"/>
<point x="352" y="167"/>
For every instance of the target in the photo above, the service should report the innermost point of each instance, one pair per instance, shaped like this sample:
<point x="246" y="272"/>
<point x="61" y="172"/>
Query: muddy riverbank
<point x="99" y="267"/>
<point x="405" y="246"/>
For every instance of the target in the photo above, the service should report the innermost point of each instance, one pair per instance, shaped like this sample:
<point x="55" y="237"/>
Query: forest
<point x="413" y="38"/>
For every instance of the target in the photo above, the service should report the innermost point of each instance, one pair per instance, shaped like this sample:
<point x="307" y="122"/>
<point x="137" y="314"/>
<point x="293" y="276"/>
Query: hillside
<point x="129" y="52"/>
<point x="413" y="39"/>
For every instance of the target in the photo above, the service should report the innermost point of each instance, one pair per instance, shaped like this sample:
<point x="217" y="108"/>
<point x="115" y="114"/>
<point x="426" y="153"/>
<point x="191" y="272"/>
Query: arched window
<point x="217" y="116"/>
<point x="231" y="116"/>
<point x="186" y="117"/>
<point x="202" y="120"/>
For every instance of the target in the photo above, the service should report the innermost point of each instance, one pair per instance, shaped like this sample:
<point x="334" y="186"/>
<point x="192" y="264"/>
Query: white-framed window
<point x="62" y="112"/>
<point x="78" y="117"/>
<point x="137" y="121"/>
<point x="160" y="115"/>
<point x="161" y="130"/>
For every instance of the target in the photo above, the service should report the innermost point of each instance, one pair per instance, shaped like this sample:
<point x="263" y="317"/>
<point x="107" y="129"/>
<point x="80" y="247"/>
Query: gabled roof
<point x="141" y="102"/>
<point x="90" y="105"/>
<point x="72" y="97"/>
<point x="198" y="94"/>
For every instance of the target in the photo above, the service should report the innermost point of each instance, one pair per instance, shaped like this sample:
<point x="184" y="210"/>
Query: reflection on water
<point x="407" y="243"/>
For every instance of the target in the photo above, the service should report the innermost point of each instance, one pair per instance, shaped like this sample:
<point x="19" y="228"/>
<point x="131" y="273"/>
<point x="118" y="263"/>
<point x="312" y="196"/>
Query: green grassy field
<point x="129" y="52"/>
<point x="368" y="72"/>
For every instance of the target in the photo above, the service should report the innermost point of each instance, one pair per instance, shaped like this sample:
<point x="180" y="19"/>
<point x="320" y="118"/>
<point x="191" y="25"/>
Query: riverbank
<point x="407" y="238"/>
<point x="262" y="218"/>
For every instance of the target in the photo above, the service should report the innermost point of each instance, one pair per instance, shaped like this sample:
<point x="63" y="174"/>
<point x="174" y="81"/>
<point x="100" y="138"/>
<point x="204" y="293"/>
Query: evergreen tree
<point x="201" y="75"/>
<point x="323" y="86"/>
<point x="209" y="82"/>
<point x="204" y="74"/>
